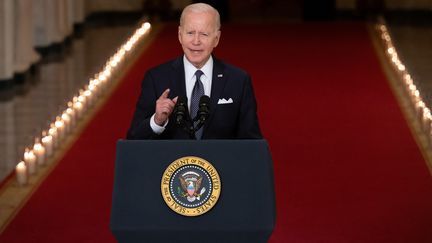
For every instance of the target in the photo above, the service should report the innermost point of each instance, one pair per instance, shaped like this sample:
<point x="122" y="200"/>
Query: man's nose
<point x="196" y="39"/>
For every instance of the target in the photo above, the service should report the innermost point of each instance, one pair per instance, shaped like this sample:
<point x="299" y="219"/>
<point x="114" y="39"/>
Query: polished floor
<point x="32" y="101"/>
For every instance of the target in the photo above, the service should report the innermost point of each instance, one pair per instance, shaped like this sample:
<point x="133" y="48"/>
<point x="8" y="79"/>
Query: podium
<point x="244" y="212"/>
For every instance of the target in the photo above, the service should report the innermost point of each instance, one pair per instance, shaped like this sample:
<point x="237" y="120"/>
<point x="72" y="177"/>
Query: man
<point x="197" y="73"/>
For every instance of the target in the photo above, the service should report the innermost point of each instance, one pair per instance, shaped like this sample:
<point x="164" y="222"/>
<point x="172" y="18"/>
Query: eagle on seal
<point x="191" y="186"/>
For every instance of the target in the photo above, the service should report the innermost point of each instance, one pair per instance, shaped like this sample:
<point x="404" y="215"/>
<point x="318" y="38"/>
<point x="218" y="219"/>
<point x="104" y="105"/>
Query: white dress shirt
<point x="190" y="79"/>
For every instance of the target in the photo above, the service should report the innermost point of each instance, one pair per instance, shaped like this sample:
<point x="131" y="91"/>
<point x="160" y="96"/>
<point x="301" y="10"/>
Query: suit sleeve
<point x="248" y="125"/>
<point x="145" y="108"/>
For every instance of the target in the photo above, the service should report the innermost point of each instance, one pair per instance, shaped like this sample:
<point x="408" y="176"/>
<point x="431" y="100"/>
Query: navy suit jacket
<point x="226" y="121"/>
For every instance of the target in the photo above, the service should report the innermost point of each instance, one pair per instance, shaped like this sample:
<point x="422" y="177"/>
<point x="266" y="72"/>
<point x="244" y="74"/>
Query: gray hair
<point x="201" y="8"/>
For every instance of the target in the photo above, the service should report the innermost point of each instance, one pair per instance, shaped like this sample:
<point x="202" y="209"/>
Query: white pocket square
<point x="224" y="101"/>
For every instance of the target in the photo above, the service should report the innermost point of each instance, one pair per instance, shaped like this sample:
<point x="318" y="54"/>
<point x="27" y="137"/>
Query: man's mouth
<point x="196" y="51"/>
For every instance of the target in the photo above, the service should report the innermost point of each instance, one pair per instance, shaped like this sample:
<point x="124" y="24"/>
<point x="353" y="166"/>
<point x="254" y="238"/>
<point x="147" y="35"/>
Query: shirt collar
<point x="190" y="69"/>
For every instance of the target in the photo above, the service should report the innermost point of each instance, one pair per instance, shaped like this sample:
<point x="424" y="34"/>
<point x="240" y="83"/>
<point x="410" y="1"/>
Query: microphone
<point x="203" y="111"/>
<point x="181" y="110"/>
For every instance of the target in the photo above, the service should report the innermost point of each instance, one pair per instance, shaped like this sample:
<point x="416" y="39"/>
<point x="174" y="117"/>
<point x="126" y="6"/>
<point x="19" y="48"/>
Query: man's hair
<point x="201" y="8"/>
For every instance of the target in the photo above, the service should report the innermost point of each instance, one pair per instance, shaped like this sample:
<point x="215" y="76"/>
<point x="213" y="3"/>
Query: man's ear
<point x="217" y="38"/>
<point x="179" y="34"/>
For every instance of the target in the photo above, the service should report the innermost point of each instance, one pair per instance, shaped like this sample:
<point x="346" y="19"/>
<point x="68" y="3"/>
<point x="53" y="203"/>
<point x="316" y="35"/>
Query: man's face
<point x="198" y="36"/>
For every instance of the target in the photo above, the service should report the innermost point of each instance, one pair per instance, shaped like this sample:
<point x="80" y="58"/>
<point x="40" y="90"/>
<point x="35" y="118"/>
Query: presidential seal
<point x="190" y="186"/>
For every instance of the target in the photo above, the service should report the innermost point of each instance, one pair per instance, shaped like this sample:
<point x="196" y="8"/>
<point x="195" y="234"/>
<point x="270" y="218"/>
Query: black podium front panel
<point x="245" y="211"/>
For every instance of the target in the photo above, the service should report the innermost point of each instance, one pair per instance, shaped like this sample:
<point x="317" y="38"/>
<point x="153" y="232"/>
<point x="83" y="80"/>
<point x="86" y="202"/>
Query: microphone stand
<point x="188" y="124"/>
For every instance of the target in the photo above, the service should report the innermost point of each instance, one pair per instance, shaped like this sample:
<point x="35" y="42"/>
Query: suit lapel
<point x="219" y="80"/>
<point x="179" y="83"/>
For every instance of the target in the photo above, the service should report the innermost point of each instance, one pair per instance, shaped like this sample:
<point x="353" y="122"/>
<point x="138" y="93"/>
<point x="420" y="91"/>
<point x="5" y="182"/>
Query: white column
<point x="63" y="17"/>
<point x="6" y="39"/>
<point x="70" y="8"/>
<point x="79" y="12"/>
<point x="24" y="53"/>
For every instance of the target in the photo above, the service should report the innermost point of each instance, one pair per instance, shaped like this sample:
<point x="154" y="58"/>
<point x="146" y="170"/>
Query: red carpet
<point x="347" y="168"/>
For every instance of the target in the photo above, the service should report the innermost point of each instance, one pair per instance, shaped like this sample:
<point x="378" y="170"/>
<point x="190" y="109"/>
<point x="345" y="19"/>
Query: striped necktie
<point x="197" y="92"/>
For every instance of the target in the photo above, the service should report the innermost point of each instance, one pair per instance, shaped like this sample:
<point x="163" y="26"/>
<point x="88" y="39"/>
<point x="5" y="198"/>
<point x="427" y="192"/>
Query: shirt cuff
<point x="155" y="127"/>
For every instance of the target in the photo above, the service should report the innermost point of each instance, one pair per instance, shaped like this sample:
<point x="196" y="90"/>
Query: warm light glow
<point x="21" y="165"/>
<point x="87" y="93"/>
<point x="102" y="77"/>
<point x="38" y="147"/>
<point x="128" y="46"/>
<point x="21" y="173"/>
<point x="47" y="139"/>
<point x="81" y="98"/>
<point x="78" y="105"/>
<point x="30" y="159"/>
<point x="107" y="73"/>
<point x="390" y="50"/>
<point x="146" y="25"/>
<point x="52" y="131"/>
<point x="117" y="59"/>
<point x="426" y="113"/>
<point x="29" y="155"/>
<point x="39" y="151"/>
<point x="59" y="123"/>
<point x="66" y="119"/>
<point x="421" y="104"/>
<point x="421" y="108"/>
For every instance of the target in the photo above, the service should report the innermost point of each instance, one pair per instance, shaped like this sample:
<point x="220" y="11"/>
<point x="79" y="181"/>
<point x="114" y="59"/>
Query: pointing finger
<point x="165" y="94"/>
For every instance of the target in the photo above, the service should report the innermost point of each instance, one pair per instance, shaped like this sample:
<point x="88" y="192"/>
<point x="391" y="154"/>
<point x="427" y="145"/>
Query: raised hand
<point x="164" y="108"/>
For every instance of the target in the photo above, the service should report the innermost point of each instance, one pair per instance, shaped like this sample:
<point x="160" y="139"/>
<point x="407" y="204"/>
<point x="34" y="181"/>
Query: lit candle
<point x="94" y="87"/>
<point x="59" y="124"/>
<point x="71" y="112"/>
<point x="82" y="99"/>
<point x="416" y="96"/>
<point x="30" y="160"/>
<point x="427" y="120"/>
<point x="420" y="106"/>
<point x="47" y="143"/>
<point x="21" y="173"/>
<point x="88" y="97"/>
<point x="98" y="87"/>
<point x="430" y="134"/>
<point x="54" y="134"/>
<point x="39" y="151"/>
<point x="67" y="121"/>
<point x="78" y="107"/>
